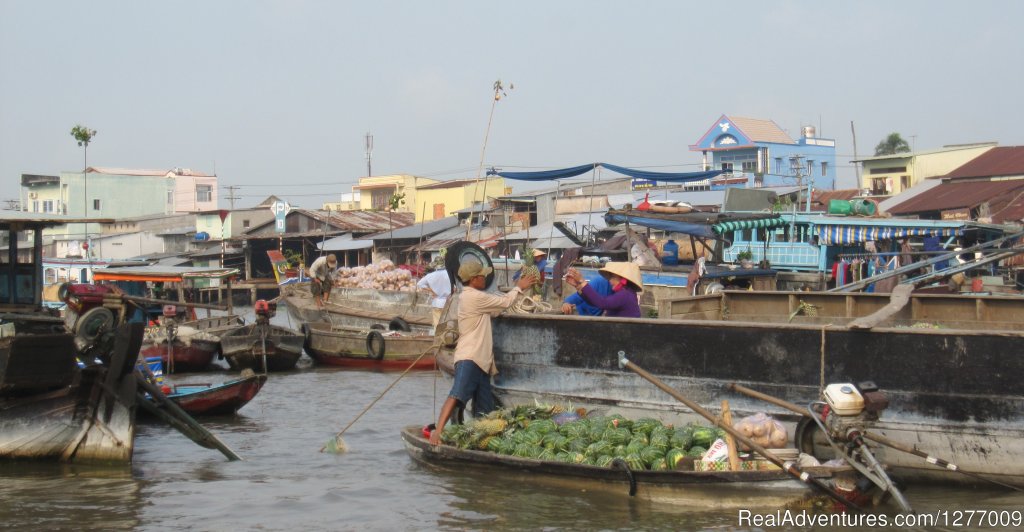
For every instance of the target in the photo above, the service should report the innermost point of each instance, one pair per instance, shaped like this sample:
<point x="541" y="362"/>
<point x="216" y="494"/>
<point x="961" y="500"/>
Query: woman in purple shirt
<point x="624" y="301"/>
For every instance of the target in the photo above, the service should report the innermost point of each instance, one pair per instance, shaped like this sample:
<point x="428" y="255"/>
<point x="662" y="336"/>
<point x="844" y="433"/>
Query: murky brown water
<point x="284" y="483"/>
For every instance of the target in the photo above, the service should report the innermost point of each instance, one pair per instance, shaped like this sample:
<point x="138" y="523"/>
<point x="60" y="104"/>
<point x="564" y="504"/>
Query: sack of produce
<point x="763" y="430"/>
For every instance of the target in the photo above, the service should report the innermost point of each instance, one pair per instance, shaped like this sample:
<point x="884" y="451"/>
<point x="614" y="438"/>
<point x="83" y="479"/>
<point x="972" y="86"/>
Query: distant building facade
<point x="888" y="175"/>
<point x="758" y="153"/>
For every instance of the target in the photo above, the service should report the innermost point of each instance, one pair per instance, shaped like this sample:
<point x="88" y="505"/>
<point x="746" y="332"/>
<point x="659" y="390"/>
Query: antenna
<point x="369" y="154"/>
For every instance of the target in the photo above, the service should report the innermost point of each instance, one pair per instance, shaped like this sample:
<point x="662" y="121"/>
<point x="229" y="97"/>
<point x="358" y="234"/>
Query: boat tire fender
<point x="375" y="345"/>
<point x="398" y="324"/>
<point x="377" y="327"/>
<point x="621" y="464"/>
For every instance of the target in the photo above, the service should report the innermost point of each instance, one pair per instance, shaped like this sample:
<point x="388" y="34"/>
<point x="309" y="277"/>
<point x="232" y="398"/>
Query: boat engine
<point x="850" y="408"/>
<point x="264" y="310"/>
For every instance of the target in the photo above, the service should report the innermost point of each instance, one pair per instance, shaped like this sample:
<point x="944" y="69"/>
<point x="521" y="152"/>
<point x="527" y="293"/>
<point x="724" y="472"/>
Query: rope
<point x="527" y="305"/>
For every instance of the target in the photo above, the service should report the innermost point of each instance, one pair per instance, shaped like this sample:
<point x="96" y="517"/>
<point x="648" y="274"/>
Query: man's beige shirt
<point x="475" y="310"/>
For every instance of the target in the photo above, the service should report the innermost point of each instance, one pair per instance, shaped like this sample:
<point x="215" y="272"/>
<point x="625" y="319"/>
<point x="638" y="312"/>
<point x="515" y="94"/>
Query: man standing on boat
<point x="474" y="359"/>
<point x="440" y="287"/>
<point x="322" y="274"/>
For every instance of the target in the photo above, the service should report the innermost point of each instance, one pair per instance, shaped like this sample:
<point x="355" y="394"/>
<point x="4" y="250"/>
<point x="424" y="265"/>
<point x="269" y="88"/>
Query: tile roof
<point x="997" y="162"/>
<point x="1005" y="199"/>
<point x="759" y="130"/>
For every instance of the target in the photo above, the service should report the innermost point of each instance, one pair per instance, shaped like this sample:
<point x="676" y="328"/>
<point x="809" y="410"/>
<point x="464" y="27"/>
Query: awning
<point x="170" y="274"/>
<point x="344" y="245"/>
<point x="733" y="225"/>
<point x="853" y="234"/>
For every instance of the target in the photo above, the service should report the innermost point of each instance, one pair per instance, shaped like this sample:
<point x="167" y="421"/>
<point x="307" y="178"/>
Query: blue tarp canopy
<point x="854" y="234"/>
<point x="671" y="226"/>
<point x="551" y="175"/>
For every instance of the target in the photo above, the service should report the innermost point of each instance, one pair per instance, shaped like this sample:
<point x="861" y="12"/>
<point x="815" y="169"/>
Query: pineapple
<point x="530" y="268"/>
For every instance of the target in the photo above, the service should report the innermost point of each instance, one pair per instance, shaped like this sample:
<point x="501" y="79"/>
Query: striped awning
<point x="853" y="234"/>
<point x="733" y="225"/>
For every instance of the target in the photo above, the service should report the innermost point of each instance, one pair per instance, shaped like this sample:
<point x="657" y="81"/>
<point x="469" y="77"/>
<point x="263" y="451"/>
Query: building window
<point x="245" y="224"/>
<point x="48" y="206"/>
<point x="904" y="182"/>
<point x="750" y="166"/>
<point x="380" y="199"/>
<point x="204" y="193"/>
<point x="824" y="168"/>
<point x="170" y="196"/>
<point x="727" y="168"/>
<point x="95" y="204"/>
<point x="778" y="165"/>
<point x="35" y="206"/>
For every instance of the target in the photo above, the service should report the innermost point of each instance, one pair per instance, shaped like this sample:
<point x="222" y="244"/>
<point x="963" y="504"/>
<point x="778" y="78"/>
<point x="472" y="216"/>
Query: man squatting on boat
<point x="474" y="358"/>
<point x="322" y="274"/>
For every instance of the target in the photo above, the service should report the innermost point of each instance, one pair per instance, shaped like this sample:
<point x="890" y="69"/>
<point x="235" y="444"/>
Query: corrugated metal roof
<point x="821" y="198"/>
<point x="448" y="184"/>
<point x="425" y="229"/>
<point x="998" y="162"/>
<point x="1005" y="199"/>
<point x="759" y="130"/>
<point x="361" y="221"/>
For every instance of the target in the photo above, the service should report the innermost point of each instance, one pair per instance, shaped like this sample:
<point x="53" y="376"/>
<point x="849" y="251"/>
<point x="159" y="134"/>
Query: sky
<point x="277" y="97"/>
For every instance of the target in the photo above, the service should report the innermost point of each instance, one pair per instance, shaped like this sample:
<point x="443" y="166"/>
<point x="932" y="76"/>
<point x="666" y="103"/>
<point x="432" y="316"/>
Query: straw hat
<point x="332" y="260"/>
<point x="627" y="270"/>
<point x="469" y="270"/>
<point x="538" y="253"/>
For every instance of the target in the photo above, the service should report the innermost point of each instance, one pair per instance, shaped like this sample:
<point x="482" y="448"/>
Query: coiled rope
<point x="527" y="305"/>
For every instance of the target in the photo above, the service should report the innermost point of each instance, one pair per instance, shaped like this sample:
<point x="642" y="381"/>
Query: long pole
<point x="789" y="467"/>
<point x="483" y="150"/>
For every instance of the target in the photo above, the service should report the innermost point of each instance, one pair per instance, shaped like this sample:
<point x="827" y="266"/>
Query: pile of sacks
<point x="379" y="276"/>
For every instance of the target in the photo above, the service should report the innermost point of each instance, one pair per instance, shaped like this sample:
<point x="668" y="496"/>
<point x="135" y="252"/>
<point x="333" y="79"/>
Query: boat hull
<point x="222" y="400"/>
<point x="352" y="307"/>
<point x="704" y="489"/>
<point x="196" y="355"/>
<point x="347" y="347"/>
<point x="246" y="348"/>
<point x="955" y="393"/>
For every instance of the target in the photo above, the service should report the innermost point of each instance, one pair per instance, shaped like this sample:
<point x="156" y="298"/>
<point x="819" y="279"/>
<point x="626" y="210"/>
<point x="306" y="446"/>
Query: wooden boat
<point x="193" y="344"/>
<point x="704" y="489"/>
<point x="217" y="399"/>
<point x="950" y="366"/>
<point x="262" y="347"/>
<point x="367" y="348"/>
<point x="50" y="408"/>
<point x="357" y="307"/>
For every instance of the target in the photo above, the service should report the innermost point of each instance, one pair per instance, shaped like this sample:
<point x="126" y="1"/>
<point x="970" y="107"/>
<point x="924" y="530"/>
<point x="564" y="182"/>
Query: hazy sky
<point x="277" y="96"/>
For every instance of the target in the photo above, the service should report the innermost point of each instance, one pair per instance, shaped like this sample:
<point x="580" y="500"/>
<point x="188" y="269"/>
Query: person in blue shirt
<point x="601" y="285"/>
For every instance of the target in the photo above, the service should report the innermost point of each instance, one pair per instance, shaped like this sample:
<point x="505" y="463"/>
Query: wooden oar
<point x="871" y="436"/>
<point x="159" y="405"/>
<point x="789" y="467"/>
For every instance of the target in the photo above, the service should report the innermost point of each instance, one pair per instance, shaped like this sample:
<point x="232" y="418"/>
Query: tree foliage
<point x="892" y="144"/>
<point x="83" y="134"/>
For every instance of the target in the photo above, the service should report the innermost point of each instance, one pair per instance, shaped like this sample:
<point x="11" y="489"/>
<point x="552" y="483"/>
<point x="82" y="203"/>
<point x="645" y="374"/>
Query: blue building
<point x="758" y="153"/>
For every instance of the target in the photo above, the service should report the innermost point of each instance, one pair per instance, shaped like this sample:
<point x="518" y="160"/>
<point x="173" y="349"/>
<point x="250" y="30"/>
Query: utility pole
<point x="231" y="195"/>
<point x="796" y="164"/>
<point x="369" y="154"/>
<point x="856" y="172"/>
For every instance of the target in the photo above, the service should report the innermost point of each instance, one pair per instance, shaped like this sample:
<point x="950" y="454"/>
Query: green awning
<point x="733" y="225"/>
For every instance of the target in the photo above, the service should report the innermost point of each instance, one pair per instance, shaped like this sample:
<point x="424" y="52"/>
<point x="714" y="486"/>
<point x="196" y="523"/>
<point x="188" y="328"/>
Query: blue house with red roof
<point x="757" y="153"/>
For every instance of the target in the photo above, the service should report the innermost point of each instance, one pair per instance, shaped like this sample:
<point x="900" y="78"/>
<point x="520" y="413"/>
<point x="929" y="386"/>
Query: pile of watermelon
<point x="552" y="433"/>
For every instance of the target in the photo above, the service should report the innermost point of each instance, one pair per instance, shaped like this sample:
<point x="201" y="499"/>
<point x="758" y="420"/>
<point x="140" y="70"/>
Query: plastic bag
<point x="763" y="430"/>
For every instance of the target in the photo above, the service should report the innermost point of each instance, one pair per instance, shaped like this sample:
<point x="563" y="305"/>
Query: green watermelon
<point x="673" y="457"/>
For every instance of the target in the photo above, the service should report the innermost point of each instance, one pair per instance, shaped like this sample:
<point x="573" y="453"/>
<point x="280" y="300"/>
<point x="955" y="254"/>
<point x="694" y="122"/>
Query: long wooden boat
<point x="219" y="399"/>
<point x="262" y="347"/>
<point x="194" y="344"/>
<point x="950" y="366"/>
<point x="50" y="407"/>
<point x="351" y="347"/>
<point x="357" y="307"/>
<point x="704" y="489"/>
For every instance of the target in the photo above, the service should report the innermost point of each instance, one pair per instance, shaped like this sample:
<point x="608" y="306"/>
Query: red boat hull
<point x="195" y="357"/>
<point x="223" y="400"/>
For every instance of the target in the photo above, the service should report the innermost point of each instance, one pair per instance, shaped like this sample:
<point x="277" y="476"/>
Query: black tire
<point x="377" y="327"/>
<point x="375" y="345"/>
<point x="62" y="292"/>
<point x="398" y="324"/>
<point x="461" y="251"/>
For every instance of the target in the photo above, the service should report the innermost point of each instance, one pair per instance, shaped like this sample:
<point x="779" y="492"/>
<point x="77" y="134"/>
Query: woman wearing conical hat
<point x="624" y="301"/>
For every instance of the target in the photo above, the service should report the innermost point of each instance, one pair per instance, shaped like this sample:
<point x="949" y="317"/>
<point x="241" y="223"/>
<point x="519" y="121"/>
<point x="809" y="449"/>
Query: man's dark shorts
<point x="319" y="287"/>
<point x="471" y="382"/>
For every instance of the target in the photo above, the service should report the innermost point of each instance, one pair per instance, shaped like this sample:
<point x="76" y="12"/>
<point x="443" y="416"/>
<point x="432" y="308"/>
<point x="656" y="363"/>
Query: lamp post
<point x="84" y="136"/>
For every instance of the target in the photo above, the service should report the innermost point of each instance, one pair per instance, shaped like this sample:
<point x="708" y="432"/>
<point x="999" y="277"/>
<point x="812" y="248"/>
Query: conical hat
<point x="627" y="270"/>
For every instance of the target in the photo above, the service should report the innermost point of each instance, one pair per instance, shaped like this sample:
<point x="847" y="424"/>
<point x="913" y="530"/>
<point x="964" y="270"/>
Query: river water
<point x="285" y="483"/>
